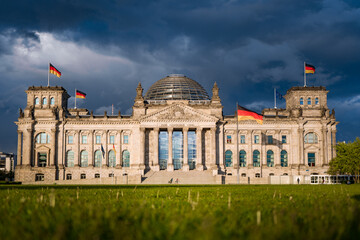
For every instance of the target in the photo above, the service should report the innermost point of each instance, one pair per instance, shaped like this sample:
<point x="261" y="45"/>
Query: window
<point x="270" y="158"/>
<point x="242" y="139"/>
<point x="111" y="175"/>
<point x="242" y="157"/>
<point x="257" y="175"/>
<point x="270" y="139"/>
<point x="301" y="101"/>
<point x="70" y="139"/>
<point x="228" y="138"/>
<point x="256" y="139"/>
<point x="97" y="175"/>
<point x="191" y="149"/>
<point x="98" y="157"/>
<point x="163" y="149"/>
<point x="43" y="138"/>
<point x="52" y="101"/>
<point x="42" y="159"/>
<point x="44" y="101"/>
<point x="83" y="176"/>
<point x="126" y="158"/>
<point x="97" y="139"/>
<point x="311" y="138"/>
<point x="309" y="101"/>
<point x="256" y="158"/>
<point x="112" y="158"/>
<point x="316" y="101"/>
<point x="68" y="176"/>
<point x="284" y="158"/>
<point x="271" y="174"/>
<point x="83" y="159"/>
<point x="39" y="177"/>
<point x="83" y="139"/>
<point x="37" y="101"/>
<point x="126" y="139"/>
<point x="228" y="158"/>
<point x="177" y="149"/>
<point x="283" y="139"/>
<point x="112" y="139"/>
<point x="243" y="175"/>
<point x="311" y="159"/>
<point x="69" y="159"/>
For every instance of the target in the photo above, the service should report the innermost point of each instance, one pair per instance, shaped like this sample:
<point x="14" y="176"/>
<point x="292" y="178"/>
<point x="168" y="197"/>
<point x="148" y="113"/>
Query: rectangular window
<point x="68" y="177"/>
<point x="112" y="139"/>
<point x="98" y="139"/>
<point x="242" y="139"/>
<point x="256" y="139"/>
<point x="283" y="139"/>
<point x="311" y="159"/>
<point x="83" y="139"/>
<point x="126" y="139"/>
<point x="270" y="139"/>
<point x="228" y="139"/>
<point x="70" y="139"/>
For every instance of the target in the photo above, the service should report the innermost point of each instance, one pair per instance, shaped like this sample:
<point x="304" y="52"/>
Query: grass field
<point x="180" y="212"/>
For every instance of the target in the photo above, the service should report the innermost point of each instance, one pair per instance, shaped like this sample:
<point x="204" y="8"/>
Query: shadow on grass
<point x="356" y="197"/>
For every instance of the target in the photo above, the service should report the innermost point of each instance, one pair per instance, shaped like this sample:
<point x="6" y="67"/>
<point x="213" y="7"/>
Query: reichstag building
<point x="175" y="126"/>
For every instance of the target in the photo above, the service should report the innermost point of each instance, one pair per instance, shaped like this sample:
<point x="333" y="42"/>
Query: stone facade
<point x="56" y="143"/>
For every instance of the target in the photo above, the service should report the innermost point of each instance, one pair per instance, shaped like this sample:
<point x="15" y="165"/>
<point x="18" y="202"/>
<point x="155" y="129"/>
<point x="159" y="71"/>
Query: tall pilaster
<point x="213" y="165"/>
<point x="199" y="162"/>
<point x="170" y="165"/>
<point x="277" y="159"/>
<point x="333" y="140"/>
<point x="19" y="148"/>
<point x="119" y="150"/>
<point x="185" y="144"/>
<point x="301" y="145"/>
<point x="77" y="160"/>
<point x="91" y="154"/>
<point x="324" y="149"/>
<point x="28" y="148"/>
<point x="142" y="148"/>
<point x="155" y="160"/>
<point x="221" y="146"/>
<point x="53" y="147"/>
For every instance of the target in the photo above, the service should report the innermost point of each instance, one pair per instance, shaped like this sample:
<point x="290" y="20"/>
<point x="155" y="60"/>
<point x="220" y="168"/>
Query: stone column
<point x="213" y="165"/>
<point x="91" y="154"/>
<point x="301" y="146"/>
<point x="249" y="154"/>
<point x="324" y="149"/>
<point x="199" y="163"/>
<point x="185" y="153"/>
<point x="328" y="146"/>
<point x="263" y="149"/>
<point x="53" y="147"/>
<point x="19" y="146"/>
<point x="106" y="149"/>
<point x="221" y="147"/>
<point x="142" y="148"/>
<point x="155" y="160"/>
<point x="170" y="165"/>
<point x="28" y="148"/>
<point x="77" y="160"/>
<point x="118" y="151"/>
<point x="277" y="160"/>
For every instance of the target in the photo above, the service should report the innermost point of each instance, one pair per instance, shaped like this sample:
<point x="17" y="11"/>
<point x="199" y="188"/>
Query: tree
<point x="347" y="160"/>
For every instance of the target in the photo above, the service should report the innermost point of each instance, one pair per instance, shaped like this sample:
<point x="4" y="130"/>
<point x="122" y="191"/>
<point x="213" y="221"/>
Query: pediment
<point x="178" y="113"/>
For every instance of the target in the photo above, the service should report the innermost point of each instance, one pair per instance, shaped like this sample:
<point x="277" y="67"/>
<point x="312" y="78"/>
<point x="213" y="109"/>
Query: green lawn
<point x="180" y="212"/>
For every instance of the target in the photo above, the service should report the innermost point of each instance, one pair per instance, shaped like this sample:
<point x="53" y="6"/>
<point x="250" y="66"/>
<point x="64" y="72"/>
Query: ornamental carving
<point x="176" y="113"/>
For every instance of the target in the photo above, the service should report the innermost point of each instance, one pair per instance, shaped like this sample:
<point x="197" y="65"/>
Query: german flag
<point x="80" y="94"/>
<point x="309" y="68"/>
<point x="54" y="71"/>
<point x="246" y="114"/>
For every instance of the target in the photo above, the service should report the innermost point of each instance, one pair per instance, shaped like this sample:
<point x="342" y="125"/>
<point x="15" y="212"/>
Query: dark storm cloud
<point x="248" y="47"/>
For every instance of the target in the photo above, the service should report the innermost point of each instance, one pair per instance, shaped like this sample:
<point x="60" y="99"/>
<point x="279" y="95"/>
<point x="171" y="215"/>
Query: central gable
<point x="178" y="113"/>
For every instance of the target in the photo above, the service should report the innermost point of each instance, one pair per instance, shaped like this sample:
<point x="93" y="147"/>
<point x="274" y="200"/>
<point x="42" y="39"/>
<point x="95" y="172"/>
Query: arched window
<point x="43" y="138"/>
<point x="271" y="174"/>
<point x="284" y="158"/>
<point x="37" y="102"/>
<point x="44" y="101"/>
<point x="257" y="175"/>
<point x="70" y="159"/>
<point x="317" y="101"/>
<point x="311" y="138"/>
<point x="126" y="158"/>
<point x="256" y="158"/>
<point x="301" y="101"/>
<point x="243" y="175"/>
<point x="228" y="158"/>
<point x="270" y="158"/>
<point x="84" y="158"/>
<point x="83" y="176"/>
<point x="242" y="157"/>
<point x="98" y="157"/>
<point x="309" y="101"/>
<point x="97" y="175"/>
<point x="112" y="158"/>
<point x="52" y="101"/>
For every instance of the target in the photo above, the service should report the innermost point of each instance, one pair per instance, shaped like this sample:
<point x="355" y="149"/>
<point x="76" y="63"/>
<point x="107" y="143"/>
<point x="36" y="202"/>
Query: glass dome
<point x="176" y="87"/>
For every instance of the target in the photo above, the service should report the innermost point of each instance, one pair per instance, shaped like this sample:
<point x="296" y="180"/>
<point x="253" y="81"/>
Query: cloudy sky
<point x="249" y="47"/>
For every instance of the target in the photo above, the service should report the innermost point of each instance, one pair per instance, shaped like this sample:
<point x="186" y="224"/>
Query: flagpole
<point x="75" y="99"/>
<point x="48" y="74"/>
<point x="304" y="75"/>
<point x="275" y="97"/>
<point x="237" y="144"/>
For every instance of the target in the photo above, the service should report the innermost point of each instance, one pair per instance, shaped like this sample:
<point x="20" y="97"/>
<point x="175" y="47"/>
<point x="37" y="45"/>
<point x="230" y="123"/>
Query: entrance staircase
<point x="191" y="177"/>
